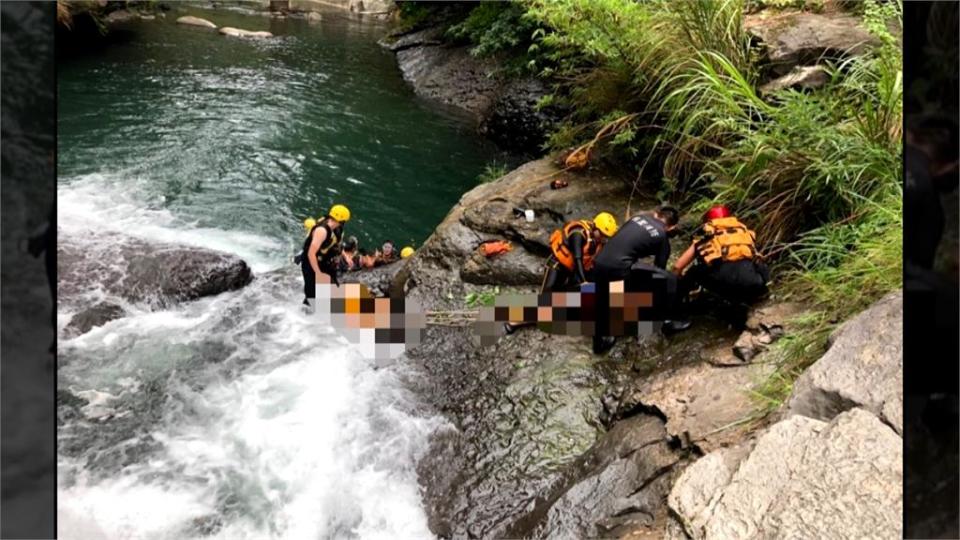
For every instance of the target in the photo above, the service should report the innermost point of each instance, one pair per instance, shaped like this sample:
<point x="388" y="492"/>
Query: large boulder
<point x="801" y="478"/>
<point x="863" y="368"/>
<point x="134" y="270"/>
<point x="793" y="39"/>
<point x="238" y="32"/>
<point x="504" y="109"/>
<point x="190" y="20"/>
<point x="447" y="74"/>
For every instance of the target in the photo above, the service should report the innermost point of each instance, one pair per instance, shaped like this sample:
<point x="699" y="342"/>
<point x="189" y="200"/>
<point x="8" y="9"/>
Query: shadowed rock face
<point x="141" y="272"/>
<point x="803" y="39"/>
<point x="505" y="110"/>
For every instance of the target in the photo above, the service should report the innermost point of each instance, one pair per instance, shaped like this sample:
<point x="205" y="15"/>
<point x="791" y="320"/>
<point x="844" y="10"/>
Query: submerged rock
<point x="863" y="368"/>
<point x="135" y="270"/>
<point x="504" y="109"/>
<point x="195" y="21"/>
<point x="237" y="32"/>
<point x="92" y="317"/>
<point x="801" y="478"/>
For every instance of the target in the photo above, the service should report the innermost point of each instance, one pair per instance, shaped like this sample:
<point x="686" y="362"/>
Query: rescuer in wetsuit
<point x="318" y="259"/>
<point x="573" y="247"/>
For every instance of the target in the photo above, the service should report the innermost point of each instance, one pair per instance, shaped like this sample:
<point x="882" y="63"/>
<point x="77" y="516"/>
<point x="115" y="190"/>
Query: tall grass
<point x="817" y="174"/>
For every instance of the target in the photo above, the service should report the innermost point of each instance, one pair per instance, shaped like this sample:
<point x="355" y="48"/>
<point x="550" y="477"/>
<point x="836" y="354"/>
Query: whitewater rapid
<point x="230" y="417"/>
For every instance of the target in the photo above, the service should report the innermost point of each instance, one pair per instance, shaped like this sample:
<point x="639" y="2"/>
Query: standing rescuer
<point x="724" y="261"/>
<point x="318" y="259"/>
<point x="573" y="247"/>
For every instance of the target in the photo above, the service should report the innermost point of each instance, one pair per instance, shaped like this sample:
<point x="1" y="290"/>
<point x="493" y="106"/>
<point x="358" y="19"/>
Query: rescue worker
<point x="573" y="247"/>
<point x="644" y="235"/>
<point x="349" y="259"/>
<point x="723" y="259"/>
<point x="318" y="260"/>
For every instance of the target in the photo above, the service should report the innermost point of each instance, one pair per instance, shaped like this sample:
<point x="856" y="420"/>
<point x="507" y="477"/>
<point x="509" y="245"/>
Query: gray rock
<point x="800" y="78"/>
<point x="517" y="267"/>
<point x="451" y="76"/>
<point x="863" y="367"/>
<point x="617" y="486"/>
<point x="802" y="478"/>
<point x="92" y="317"/>
<point x="120" y="16"/>
<point x="765" y="325"/>
<point x="802" y="38"/>
<point x="195" y="21"/>
<point x="237" y="32"/>
<point x="137" y="271"/>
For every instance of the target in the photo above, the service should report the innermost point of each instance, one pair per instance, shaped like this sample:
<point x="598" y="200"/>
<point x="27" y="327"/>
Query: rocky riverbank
<point x="660" y="438"/>
<point x="551" y="440"/>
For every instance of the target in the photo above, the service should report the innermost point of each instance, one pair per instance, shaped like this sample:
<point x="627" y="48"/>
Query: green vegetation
<point x="669" y="89"/>
<point x="492" y="171"/>
<point x="483" y="298"/>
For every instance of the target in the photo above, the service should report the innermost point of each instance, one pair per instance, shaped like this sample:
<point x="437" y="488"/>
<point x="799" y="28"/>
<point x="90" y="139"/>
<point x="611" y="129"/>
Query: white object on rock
<point x="529" y="214"/>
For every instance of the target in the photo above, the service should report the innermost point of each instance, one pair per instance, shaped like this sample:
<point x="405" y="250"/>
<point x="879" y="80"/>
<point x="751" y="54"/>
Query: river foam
<point x="231" y="417"/>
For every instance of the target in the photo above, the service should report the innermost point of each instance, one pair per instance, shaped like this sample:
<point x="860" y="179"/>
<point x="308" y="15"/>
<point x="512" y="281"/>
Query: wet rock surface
<point x="527" y="411"/>
<point x="133" y="270"/>
<point x="503" y="108"/>
<point x="92" y="317"/>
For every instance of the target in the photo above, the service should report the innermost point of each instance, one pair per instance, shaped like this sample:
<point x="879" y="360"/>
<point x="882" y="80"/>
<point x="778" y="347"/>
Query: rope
<point x="450" y="318"/>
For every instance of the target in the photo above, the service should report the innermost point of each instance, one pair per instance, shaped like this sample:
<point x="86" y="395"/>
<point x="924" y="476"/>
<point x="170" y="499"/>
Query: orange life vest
<point x="558" y="244"/>
<point x="725" y="239"/>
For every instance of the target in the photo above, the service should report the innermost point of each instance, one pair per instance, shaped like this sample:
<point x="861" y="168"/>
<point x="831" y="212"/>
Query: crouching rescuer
<point x="573" y="248"/>
<point x="723" y="259"/>
<point x="321" y="249"/>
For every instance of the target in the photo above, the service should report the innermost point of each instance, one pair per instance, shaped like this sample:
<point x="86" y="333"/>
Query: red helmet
<point x="717" y="212"/>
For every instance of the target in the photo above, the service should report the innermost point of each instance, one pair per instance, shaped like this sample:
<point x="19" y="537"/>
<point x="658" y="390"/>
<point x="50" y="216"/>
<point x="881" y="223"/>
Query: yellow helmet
<point x="406" y="252"/>
<point x="605" y="223"/>
<point x="340" y="213"/>
<point x="309" y="223"/>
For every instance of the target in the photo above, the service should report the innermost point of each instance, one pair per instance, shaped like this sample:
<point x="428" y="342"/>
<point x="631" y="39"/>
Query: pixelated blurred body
<point x="634" y="307"/>
<point x="383" y="328"/>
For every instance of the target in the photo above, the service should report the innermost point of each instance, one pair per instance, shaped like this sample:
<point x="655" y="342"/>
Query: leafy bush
<point x="492" y="171"/>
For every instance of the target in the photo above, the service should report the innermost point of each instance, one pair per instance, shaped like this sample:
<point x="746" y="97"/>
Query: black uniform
<point x="327" y="257"/>
<point x="641" y="236"/>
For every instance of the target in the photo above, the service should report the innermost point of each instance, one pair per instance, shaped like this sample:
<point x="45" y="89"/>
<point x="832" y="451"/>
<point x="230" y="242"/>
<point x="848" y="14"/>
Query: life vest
<point x="725" y="239"/>
<point x="558" y="244"/>
<point x="327" y="251"/>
